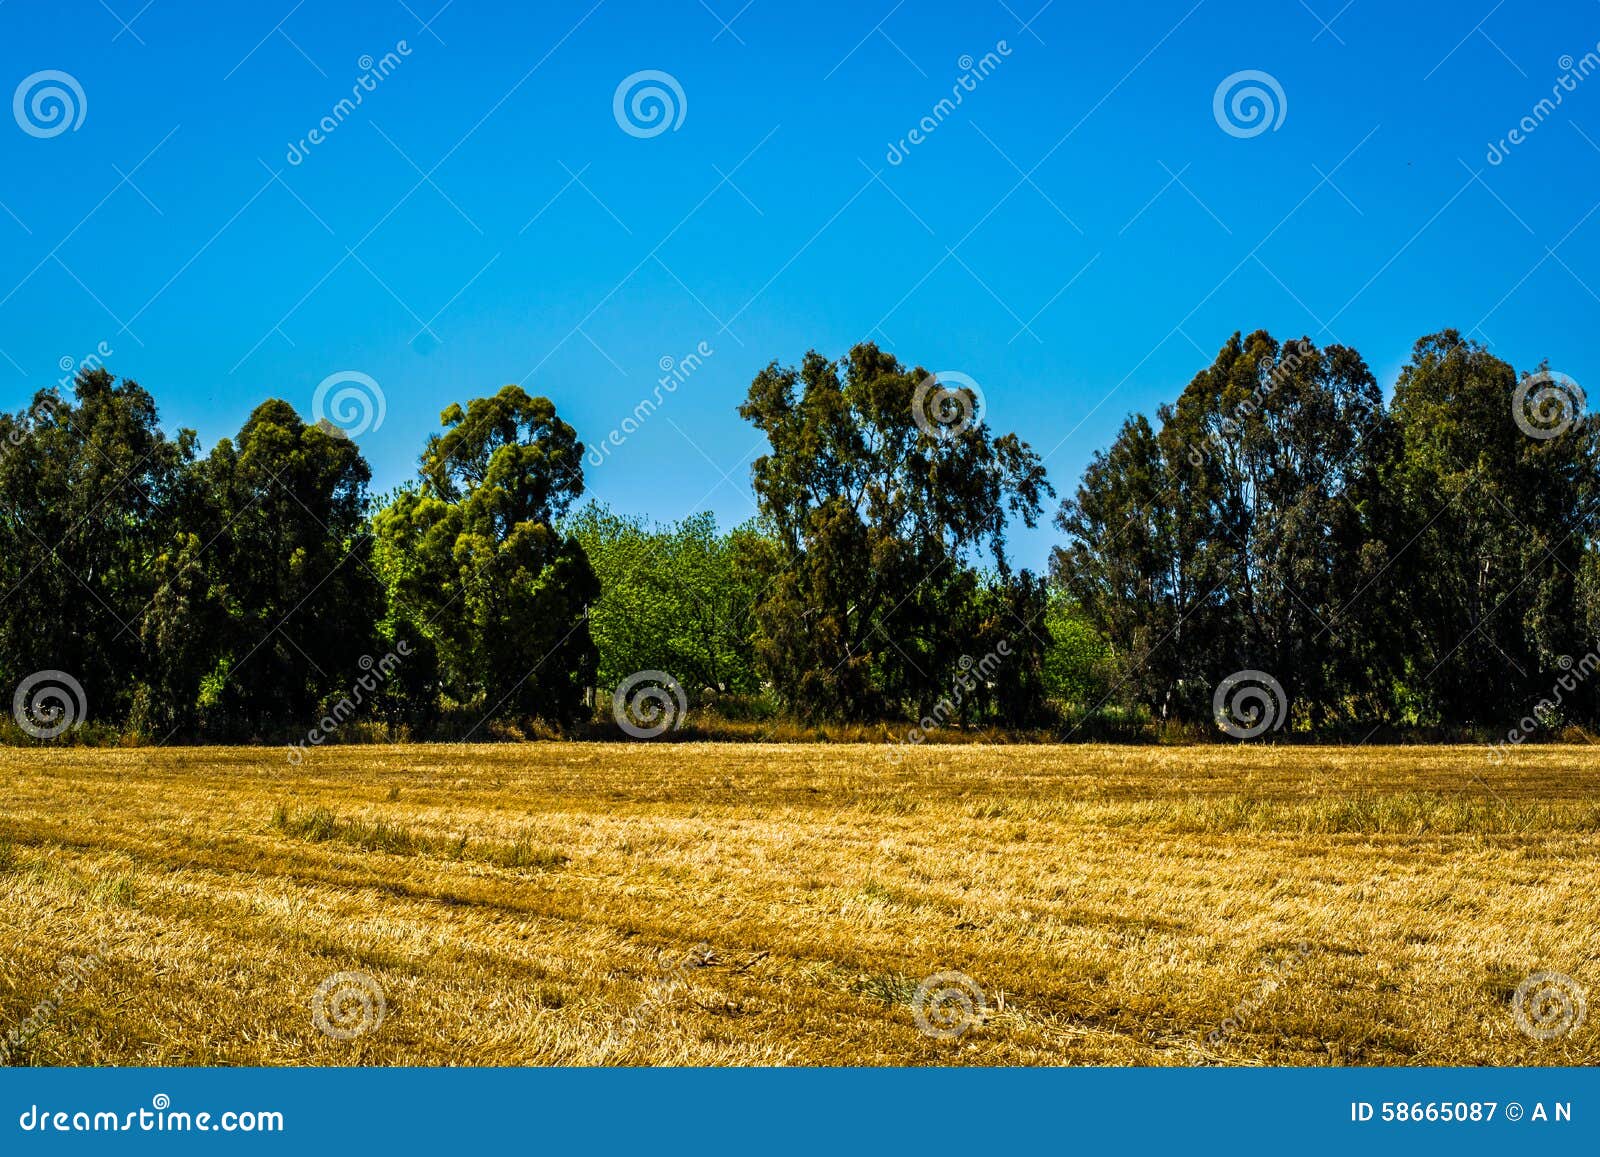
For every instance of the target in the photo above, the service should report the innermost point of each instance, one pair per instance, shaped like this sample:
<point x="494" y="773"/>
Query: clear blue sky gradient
<point x="1079" y="236"/>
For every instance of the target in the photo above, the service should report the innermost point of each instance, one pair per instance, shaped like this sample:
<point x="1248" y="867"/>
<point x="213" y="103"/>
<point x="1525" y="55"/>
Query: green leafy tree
<point x="673" y="598"/>
<point x="274" y="576"/>
<point x="1240" y="533"/>
<point x="1074" y="663"/>
<point x="478" y="569"/>
<point x="91" y="492"/>
<point x="1138" y="566"/>
<point x="1498" y="521"/>
<point x="1286" y="491"/>
<point x="1010" y="646"/>
<point x="875" y="521"/>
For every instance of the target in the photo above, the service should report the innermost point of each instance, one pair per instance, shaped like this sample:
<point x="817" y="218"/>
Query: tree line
<point x="1422" y="561"/>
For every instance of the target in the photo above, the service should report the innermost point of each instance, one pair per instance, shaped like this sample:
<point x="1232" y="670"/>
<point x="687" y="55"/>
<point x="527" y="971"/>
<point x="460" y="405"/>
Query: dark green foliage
<point x="1426" y="563"/>
<point x="91" y="492"/>
<point x="291" y="597"/>
<point x="1502" y="525"/>
<point x="1414" y="565"/>
<point x="478" y="569"/>
<point x="869" y="594"/>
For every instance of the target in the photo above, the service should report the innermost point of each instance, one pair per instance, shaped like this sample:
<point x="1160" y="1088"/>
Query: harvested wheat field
<point x="565" y="903"/>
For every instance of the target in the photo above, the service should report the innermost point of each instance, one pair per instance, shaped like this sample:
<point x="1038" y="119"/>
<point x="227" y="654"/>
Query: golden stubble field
<point x="587" y="903"/>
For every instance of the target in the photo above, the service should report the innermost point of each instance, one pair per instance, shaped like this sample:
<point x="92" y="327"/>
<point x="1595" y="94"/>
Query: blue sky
<point x="1078" y="236"/>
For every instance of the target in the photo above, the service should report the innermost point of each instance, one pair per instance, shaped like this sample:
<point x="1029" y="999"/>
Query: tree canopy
<point x="868" y="580"/>
<point x="1422" y="559"/>
<point x="479" y="568"/>
<point x="1401" y="564"/>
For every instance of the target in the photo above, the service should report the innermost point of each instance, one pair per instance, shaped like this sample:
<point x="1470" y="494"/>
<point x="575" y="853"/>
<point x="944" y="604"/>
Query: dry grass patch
<point x="781" y="904"/>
